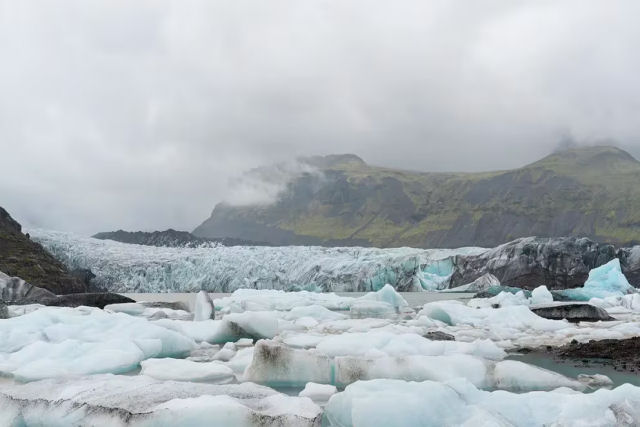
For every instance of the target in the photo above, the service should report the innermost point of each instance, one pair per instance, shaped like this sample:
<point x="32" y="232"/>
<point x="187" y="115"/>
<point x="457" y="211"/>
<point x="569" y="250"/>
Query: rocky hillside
<point x="589" y="192"/>
<point x="170" y="238"/>
<point x="24" y="258"/>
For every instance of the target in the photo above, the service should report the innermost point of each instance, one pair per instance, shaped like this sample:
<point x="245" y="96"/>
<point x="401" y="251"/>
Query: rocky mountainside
<point x="24" y="258"/>
<point x="170" y="238"/>
<point x="587" y="192"/>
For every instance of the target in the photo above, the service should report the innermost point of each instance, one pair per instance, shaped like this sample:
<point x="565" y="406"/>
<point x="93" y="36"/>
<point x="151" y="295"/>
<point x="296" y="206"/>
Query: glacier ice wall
<point x="121" y="267"/>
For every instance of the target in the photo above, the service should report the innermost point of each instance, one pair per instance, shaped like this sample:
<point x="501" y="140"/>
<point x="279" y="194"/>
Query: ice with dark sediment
<point x="395" y="366"/>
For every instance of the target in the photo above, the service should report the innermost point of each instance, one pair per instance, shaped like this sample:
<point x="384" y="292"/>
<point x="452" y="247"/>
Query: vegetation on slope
<point x="24" y="258"/>
<point x="591" y="192"/>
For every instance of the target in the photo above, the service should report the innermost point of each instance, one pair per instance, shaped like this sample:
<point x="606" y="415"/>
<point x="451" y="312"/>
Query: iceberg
<point x="277" y="365"/>
<point x="141" y="401"/>
<point x="53" y="342"/>
<point x="604" y="281"/>
<point x="319" y="393"/>
<point x="386" y="402"/>
<point x="541" y="295"/>
<point x="186" y="370"/>
<point x="151" y="313"/>
<point x="203" y="308"/>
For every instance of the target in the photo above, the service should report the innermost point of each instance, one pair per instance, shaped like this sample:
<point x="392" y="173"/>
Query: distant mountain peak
<point x="332" y="160"/>
<point x="595" y="156"/>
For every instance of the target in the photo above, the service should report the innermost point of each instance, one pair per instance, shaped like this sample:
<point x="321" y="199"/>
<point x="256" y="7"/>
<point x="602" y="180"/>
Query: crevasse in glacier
<point x="122" y="267"/>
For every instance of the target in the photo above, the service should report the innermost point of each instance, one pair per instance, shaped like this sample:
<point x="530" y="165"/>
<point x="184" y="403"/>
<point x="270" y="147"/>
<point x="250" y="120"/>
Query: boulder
<point x="573" y="312"/>
<point x="4" y="311"/>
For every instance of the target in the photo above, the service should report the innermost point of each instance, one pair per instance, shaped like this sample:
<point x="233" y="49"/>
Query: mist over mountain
<point x="577" y="191"/>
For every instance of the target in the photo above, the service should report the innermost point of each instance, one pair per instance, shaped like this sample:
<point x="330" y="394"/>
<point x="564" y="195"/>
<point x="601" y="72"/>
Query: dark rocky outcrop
<point x="573" y="312"/>
<point x="24" y="258"/>
<point x="623" y="354"/>
<point x="558" y="263"/>
<point x="171" y="238"/>
<point x="84" y="275"/>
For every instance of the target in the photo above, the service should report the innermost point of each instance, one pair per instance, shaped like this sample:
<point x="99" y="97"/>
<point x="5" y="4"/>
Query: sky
<point x="139" y="114"/>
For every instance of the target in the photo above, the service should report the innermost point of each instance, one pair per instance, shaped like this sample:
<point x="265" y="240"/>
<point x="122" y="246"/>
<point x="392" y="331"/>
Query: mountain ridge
<point x="170" y="238"/>
<point x="585" y="192"/>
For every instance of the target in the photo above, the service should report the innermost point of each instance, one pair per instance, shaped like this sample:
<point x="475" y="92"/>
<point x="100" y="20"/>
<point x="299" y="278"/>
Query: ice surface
<point x="316" y="312"/>
<point x="387" y="402"/>
<point x="52" y="342"/>
<point x="319" y="393"/>
<point x="139" y="309"/>
<point x="203" y="308"/>
<point x="369" y="309"/>
<point x="187" y="370"/>
<point x="518" y="376"/>
<point x="277" y="365"/>
<point x="385" y="303"/>
<point x="541" y="295"/>
<point x="142" y="401"/>
<point x="482" y="283"/>
<point x="503" y="299"/>
<point x="604" y="281"/>
<point x="514" y="317"/>
<point x="122" y="267"/>
<point x="399" y="345"/>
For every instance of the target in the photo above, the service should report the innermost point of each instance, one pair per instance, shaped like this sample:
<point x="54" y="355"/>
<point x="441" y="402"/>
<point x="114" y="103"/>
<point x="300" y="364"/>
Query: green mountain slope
<point x="592" y="192"/>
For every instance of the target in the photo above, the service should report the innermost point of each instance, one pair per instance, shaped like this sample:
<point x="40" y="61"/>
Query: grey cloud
<point x="139" y="115"/>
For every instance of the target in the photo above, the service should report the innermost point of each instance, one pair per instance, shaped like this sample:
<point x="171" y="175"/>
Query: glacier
<point x="121" y="267"/>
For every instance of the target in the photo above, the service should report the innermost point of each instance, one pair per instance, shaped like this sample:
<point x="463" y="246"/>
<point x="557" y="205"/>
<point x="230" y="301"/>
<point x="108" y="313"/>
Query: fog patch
<point x="264" y="185"/>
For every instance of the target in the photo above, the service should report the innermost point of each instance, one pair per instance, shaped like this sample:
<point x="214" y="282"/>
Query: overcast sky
<point x="136" y="114"/>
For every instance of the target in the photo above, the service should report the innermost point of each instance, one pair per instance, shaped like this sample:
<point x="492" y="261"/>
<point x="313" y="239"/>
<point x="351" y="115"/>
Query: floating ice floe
<point x="541" y="295"/>
<point x="386" y="402"/>
<point x="186" y="370"/>
<point x="319" y="393"/>
<point x="278" y="365"/>
<point x="141" y="401"/>
<point x="385" y="302"/>
<point x="54" y="342"/>
<point x="152" y="313"/>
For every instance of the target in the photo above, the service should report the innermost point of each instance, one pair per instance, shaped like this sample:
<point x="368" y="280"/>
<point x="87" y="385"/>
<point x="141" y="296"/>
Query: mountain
<point x="588" y="192"/>
<point x="24" y="258"/>
<point x="171" y="238"/>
